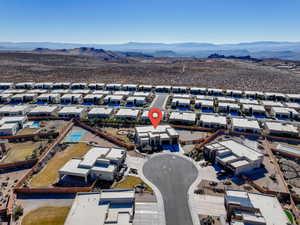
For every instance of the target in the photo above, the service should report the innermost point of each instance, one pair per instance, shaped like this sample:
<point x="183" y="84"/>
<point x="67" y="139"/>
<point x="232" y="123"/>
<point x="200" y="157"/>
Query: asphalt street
<point x="172" y="175"/>
<point x="160" y="101"/>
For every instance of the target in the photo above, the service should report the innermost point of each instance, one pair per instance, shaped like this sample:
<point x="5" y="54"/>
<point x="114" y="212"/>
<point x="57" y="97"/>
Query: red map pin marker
<point x="155" y="116"/>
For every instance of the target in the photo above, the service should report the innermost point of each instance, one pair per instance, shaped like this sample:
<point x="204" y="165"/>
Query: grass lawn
<point x="19" y="151"/>
<point x="130" y="182"/>
<point x="46" y="216"/>
<point x="290" y="216"/>
<point x="28" y="131"/>
<point x="49" y="174"/>
<point x="114" y="132"/>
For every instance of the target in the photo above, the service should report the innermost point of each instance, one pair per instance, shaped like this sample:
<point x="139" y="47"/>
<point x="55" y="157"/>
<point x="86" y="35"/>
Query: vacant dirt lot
<point x="219" y="73"/>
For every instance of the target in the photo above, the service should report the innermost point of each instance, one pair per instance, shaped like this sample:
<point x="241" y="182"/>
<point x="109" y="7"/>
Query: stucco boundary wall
<point x="30" y="136"/>
<point x="18" y="164"/>
<point x="54" y="190"/>
<point x="104" y="135"/>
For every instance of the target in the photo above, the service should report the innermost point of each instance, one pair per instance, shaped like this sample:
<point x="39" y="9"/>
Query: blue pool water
<point x="113" y="104"/>
<point x="207" y="110"/>
<point x="35" y="124"/>
<point x="259" y="116"/>
<point x="75" y="136"/>
<point x="171" y="148"/>
<point x="182" y="108"/>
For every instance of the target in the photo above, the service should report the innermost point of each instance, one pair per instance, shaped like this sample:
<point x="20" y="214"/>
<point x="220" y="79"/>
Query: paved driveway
<point x="172" y="175"/>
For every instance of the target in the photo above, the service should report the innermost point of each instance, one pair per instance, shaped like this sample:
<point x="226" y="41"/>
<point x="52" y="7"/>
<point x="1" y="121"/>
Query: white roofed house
<point x="254" y="94"/>
<point x="234" y="93"/>
<point x="248" y="101"/>
<point x="24" y="85"/>
<point x="19" y="120"/>
<point x="101" y="163"/>
<point x="256" y="110"/>
<point x="136" y="101"/>
<point x="102" y="92"/>
<point x="80" y="91"/>
<point x="14" y="110"/>
<point x="293" y="97"/>
<point x="144" y="116"/>
<point x="163" y="88"/>
<point x="5" y="97"/>
<point x="71" y="98"/>
<point x="61" y="85"/>
<point x="149" y="137"/>
<point x="112" y="206"/>
<point x="6" y="85"/>
<point x="71" y="112"/>
<point x="81" y="85"/>
<point x="284" y="113"/>
<point x="253" y="208"/>
<point x="45" y="85"/>
<point x="13" y="91"/>
<point x="215" y="91"/>
<point x="129" y="87"/>
<point x="233" y="155"/>
<point x="213" y="121"/>
<point x="61" y="91"/>
<point x="146" y="88"/>
<point x="37" y="91"/>
<point x="205" y="105"/>
<point x="245" y="125"/>
<point x="92" y="98"/>
<point x="281" y="129"/>
<point x="142" y="94"/>
<point x="114" y="99"/>
<point x="26" y="97"/>
<point x="96" y="86"/>
<point x="179" y="89"/>
<point x="275" y="96"/>
<point x="127" y="114"/>
<point x="226" y="99"/>
<point x="182" y="118"/>
<point x="44" y="110"/>
<point x="292" y="105"/>
<point x="181" y="102"/>
<point x="197" y="91"/>
<point x="228" y="107"/>
<point x="8" y="129"/>
<point x="113" y="87"/>
<point x="51" y="98"/>
<point x="100" y="113"/>
<point x="182" y="96"/>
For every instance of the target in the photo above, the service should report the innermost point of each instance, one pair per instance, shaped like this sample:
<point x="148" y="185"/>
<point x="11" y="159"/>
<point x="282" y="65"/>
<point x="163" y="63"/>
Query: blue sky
<point x="119" y="21"/>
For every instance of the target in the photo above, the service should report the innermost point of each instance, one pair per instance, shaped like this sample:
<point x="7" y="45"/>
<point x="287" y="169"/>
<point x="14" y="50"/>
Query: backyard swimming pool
<point x="75" y="136"/>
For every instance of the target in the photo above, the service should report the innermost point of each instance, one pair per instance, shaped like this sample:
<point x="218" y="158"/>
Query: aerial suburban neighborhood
<point x="89" y="153"/>
<point x="132" y="112"/>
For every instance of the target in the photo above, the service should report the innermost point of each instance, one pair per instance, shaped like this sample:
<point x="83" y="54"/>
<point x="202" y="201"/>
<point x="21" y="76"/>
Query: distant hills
<point x="105" y="55"/>
<point x="266" y="49"/>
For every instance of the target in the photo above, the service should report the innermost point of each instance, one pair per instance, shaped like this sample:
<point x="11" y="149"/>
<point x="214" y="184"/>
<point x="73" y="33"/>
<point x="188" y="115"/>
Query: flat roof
<point x="128" y="112"/>
<point x="241" y="150"/>
<point x="101" y="111"/>
<point x="272" y="103"/>
<point x="44" y="109"/>
<point x="245" y="123"/>
<point x="281" y="127"/>
<point x="183" y="116"/>
<point x="71" y="109"/>
<point x="108" y="206"/>
<point x="213" y="119"/>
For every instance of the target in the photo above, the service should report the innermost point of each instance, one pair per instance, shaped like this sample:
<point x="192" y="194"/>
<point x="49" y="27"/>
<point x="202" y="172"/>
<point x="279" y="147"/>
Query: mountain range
<point x="265" y="49"/>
